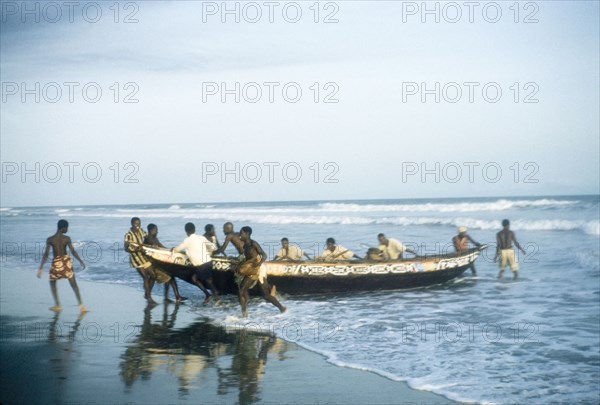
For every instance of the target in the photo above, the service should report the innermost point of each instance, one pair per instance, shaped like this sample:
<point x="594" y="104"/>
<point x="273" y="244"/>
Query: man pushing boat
<point x="233" y="237"/>
<point x="253" y="271"/>
<point x="199" y="249"/>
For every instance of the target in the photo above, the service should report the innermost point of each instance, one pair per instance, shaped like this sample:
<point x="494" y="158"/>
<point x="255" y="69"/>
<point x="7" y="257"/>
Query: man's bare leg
<point x="167" y="299"/>
<point x="515" y="275"/>
<point x="211" y="285"/>
<point x="199" y="284"/>
<point x="501" y="273"/>
<point x="75" y="288"/>
<point x="266" y="289"/>
<point x="178" y="296"/>
<point x="147" y="286"/>
<point x="244" y="295"/>
<point x="56" y="306"/>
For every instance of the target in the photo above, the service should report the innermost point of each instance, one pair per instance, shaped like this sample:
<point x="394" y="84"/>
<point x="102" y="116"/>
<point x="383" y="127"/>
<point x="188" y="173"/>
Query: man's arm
<point x="498" y="241"/>
<point x="260" y="251"/>
<point x="473" y="241"/>
<point x="179" y="248"/>
<point x="127" y="244"/>
<point x="224" y="246"/>
<point x="72" y="249"/>
<point x="514" y="238"/>
<point x="44" y="259"/>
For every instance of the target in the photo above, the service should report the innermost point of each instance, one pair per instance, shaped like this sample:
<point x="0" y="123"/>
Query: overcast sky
<point x="346" y="100"/>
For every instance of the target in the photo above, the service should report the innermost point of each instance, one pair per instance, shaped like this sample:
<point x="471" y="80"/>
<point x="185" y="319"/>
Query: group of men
<point x="392" y="249"/>
<point x="505" y="253"/>
<point x="201" y="248"/>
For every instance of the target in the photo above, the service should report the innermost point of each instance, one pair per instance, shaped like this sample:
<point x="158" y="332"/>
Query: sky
<point x="184" y="101"/>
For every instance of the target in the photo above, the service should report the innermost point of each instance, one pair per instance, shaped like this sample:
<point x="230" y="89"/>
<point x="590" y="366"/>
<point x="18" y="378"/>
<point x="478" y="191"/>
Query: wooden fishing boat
<point x="317" y="277"/>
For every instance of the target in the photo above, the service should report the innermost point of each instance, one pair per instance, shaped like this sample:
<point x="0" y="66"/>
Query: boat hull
<point x="358" y="283"/>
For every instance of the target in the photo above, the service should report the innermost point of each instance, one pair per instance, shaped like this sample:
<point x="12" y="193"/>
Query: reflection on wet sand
<point x="237" y="357"/>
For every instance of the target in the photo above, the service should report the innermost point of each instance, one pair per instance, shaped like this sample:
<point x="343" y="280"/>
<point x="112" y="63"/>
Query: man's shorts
<point x="509" y="258"/>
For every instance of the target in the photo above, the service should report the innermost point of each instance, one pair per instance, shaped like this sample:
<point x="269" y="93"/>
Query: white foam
<point x="499" y="205"/>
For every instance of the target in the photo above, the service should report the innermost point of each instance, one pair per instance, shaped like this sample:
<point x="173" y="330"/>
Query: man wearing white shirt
<point x="199" y="249"/>
<point x="335" y="252"/>
<point x="392" y="249"/>
<point x="290" y="252"/>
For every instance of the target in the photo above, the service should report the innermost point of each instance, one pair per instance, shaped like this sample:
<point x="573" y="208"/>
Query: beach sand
<point x="123" y="351"/>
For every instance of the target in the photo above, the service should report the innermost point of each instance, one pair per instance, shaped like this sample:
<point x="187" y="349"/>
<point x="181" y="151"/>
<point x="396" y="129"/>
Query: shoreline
<point x="119" y="351"/>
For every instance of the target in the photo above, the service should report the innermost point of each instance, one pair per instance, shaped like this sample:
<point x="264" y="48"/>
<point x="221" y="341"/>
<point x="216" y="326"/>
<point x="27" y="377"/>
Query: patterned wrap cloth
<point x="62" y="267"/>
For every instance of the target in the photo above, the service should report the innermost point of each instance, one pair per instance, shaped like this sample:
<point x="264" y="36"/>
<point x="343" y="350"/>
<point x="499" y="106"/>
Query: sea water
<point x="476" y="338"/>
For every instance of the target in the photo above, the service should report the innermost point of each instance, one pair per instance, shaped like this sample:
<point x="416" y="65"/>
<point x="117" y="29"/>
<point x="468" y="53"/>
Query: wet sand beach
<point x="124" y="351"/>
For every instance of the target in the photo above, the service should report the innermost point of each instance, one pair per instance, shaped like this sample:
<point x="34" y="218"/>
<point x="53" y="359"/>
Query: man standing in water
<point x="252" y="271"/>
<point x="233" y="237"/>
<point x="461" y="244"/>
<point x="134" y="239"/>
<point x="151" y="239"/>
<point x="504" y="250"/>
<point x="62" y="264"/>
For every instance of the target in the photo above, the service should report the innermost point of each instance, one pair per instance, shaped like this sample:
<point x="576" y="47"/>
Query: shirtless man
<point x="211" y="234"/>
<point x="233" y="237"/>
<point x="504" y="250"/>
<point x="250" y="272"/>
<point x="151" y="239"/>
<point x="62" y="264"/>
<point x="461" y="244"/>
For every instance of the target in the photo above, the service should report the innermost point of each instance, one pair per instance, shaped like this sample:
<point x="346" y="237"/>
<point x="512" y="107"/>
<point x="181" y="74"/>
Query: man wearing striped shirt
<point x="134" y="239"/>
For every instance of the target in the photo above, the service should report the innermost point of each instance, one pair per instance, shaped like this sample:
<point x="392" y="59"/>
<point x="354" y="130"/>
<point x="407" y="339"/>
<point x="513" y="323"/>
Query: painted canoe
<point x="317" y="277"/>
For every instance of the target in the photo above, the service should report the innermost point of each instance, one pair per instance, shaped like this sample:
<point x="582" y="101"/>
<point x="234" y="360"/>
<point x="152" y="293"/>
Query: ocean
<point x="535" y="340"/>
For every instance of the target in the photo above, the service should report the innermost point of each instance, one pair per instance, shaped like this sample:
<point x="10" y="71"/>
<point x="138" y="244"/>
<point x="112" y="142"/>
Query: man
<point x="211" y="234"/>
<point x="392" y="249"/>
<point x="252" y="271"/>
<point x="288" y="252"/>
<point x="504" y="250"/>
<point x="151" y="239"/>
<point x="461" y="244"/>
<point x="333" y="252"/>
<point x="199" y="249"/>
<point x="62" y="264"/>
<point x="134" y="240"/>
<point x="233" y="237"/>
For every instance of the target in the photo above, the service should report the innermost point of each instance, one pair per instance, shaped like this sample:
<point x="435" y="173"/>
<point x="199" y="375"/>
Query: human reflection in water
<point x="62" y="336"/>
<point x="188" y="352"/>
